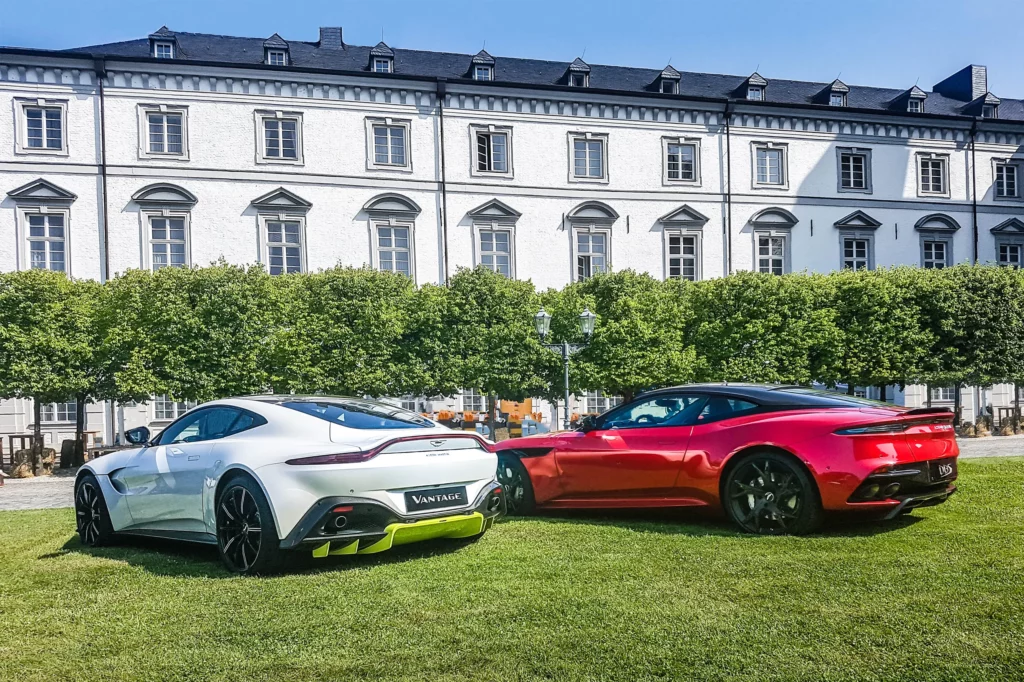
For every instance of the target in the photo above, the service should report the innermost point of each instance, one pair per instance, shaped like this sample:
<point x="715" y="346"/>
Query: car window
<point x="720" y="407"/>
<point x="245" y="421"/>
<point x="660" y="410"/>
<point x="206" y="424"/>
<point x="360" y="414"/>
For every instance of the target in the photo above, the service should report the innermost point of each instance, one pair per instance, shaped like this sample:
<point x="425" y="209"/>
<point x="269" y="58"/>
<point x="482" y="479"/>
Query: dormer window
<point x="755" y="93"/>
<point x="163" y="50"/>
<point x="579" y="80"/>
<point x="482" y="73"/>
<point x="277" y="58"/>
<point x="990" y="111"/>
<point x="669" y="87"/>
<point x="915" y="106"/>
<point x="837" y="99"/>
<point x="382" y="65"/>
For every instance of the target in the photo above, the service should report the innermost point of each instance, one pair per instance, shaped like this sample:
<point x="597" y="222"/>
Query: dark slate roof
<point x="514" y="70"/>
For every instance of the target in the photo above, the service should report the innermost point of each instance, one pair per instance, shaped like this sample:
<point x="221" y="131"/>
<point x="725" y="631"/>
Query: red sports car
<point x="773" y="457"/>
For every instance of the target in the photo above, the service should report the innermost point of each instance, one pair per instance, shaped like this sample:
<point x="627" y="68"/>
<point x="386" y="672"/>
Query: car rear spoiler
<point x="927" y="410"/>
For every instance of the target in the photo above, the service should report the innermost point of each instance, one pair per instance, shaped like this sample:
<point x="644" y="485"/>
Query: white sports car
<point x="261" y="475"/>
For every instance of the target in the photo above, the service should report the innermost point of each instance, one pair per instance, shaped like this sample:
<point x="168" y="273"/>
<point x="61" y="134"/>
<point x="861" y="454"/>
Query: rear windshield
<point x="360" y="414"/>
<point x="841" y="398"/>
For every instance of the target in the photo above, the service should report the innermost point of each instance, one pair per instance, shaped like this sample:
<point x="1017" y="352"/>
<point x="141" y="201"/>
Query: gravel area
<point x="48" y="492"/>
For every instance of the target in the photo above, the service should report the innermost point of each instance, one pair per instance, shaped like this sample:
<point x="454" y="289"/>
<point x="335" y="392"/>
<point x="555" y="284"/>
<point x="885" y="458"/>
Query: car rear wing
<point x="917" y="411"/>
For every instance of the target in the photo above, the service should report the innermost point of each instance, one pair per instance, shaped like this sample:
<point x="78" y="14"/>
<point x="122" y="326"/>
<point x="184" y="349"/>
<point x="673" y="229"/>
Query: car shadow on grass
<point x="703" y="523"/>
<point x="177" y="559"/>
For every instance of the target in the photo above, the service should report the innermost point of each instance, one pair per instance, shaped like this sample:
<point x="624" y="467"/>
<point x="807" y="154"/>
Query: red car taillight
<point x="893" y="427"/>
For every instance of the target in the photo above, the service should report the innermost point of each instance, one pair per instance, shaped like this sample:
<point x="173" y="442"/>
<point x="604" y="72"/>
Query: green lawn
<point x="939" y="595"/>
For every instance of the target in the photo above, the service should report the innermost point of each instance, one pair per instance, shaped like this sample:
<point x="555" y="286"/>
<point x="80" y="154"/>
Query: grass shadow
<point x="178" y="559"/>
<point x="702" y="522"/>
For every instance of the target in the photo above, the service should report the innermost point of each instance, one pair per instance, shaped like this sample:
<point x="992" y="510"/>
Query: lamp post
<point x="542" y="322"/>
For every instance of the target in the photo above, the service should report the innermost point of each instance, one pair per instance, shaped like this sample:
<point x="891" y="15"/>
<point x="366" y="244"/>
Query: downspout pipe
<point x="974" y="189"/>
<point x="728" y="187"/>
<point x="442" y="89"/>
<point x="99" y="67"/>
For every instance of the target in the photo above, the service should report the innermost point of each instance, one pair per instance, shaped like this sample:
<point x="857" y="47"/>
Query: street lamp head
<point x="542" y="322"/>
<point x="587" y="320"/>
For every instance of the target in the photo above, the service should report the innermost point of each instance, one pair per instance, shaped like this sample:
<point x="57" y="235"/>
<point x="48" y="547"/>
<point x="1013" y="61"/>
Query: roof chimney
<point x="330" y="37"/>
<point x="967" y="84"/>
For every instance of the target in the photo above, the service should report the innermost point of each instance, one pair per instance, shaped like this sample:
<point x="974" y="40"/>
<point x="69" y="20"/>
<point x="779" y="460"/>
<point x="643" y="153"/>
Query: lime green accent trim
<point x="462" y="526"/>
<point x="347" y="549"/>
<point x="322" y="551"/>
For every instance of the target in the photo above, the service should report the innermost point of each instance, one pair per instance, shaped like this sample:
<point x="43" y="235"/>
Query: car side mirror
<point x="587" y="423"/>
<point x="137" y="436"/>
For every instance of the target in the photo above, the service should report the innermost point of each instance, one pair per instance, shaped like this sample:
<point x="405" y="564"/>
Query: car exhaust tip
<point x="891" y="489"/>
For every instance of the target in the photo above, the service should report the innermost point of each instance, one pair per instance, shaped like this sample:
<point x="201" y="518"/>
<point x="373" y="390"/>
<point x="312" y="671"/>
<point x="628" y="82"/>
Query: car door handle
<point x="176" y="451"/>
<point x="193" y="458"/>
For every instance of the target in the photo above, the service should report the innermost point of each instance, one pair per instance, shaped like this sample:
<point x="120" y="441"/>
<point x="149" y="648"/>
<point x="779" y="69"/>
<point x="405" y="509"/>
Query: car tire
<point x="769" y="493"/>
<point x="516" y="485"/>
<point x="246" y="536"/>
<point x="92" y="518"/>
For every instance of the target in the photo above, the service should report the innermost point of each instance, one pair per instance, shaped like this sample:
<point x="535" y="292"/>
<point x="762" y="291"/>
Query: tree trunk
<point x="37" y="434"/>
<point x="850" y="388"/>
<point x="491" y="406"/>
<point x="956" y="404"/>
<point x="79" y="458"/>
<point x="881" y="392"/>
<point x="928" y="395"/>
<point x="627" y="396"/>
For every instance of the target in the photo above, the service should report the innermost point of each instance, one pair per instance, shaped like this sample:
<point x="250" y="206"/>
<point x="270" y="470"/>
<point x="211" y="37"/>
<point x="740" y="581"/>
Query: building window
<point x="381" y="65"/>
<point x="588" y="157"/>
<point x="58" y="412"/>
<point x="837" y="99"/>
<point x="394" y="249"/>
<point x="935" y="254"/>
<point x="680" y="161"/>
<point x="43" y="128"/>
<point x="990" y="111"/>
<point x="932" y="174"/>
<point x="163" y="132"/>
<point x="669" y="86"/>
<point x="163" y="50"/>
<point x="1010" y="254"/>
<point x="769" y="165"/>
<point x="388" y="141"/>
<point x="579" y="80"/>
<point x="915" y="106"/>
<point x="482" y="73"/>
<point x="854" y="170"/>
<point x="771" y="254"/>
<point x="496" y="251"/>
<point x="755" y="94"/>
<point x="167" y="242"/>
<point x="284" y="246"/>
<point x="591" y="254"/>
<point x="166" y="409"/>
<point x="943" y="394"/>
<point x="408" y="403"/>
<point x="277" y="58"/>
<point x="597" y="402"/>
<point x="683" y="256"/>
<point x="492" y="151"/>
<point x="279" y="137"/>
<point x="46" y="235"/>
<point x="1006" y="180"/>
<point x="856" y="253"/>
<point x="473" y="401"/>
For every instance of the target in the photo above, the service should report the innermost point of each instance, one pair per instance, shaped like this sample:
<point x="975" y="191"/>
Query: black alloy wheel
<point x="246" y="536"/>
<point x="92" y="520"/>
<point x="515" y="484"/>
<point x="769" y="494"/>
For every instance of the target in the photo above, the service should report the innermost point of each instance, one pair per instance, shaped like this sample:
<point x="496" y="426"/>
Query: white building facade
<point x="180" y="149"/>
